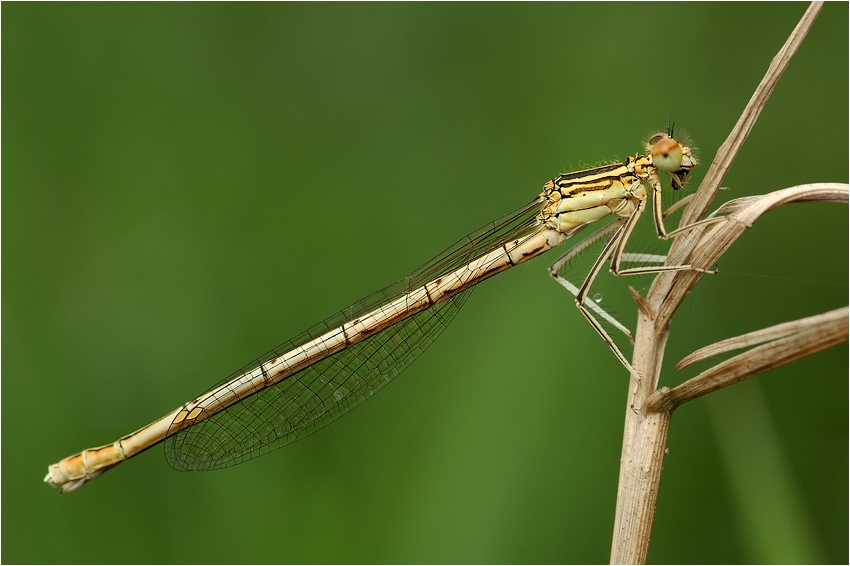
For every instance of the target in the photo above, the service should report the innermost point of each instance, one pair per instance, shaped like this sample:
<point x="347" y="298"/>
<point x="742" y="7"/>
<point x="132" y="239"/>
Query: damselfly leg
<point x="620" y="231"/>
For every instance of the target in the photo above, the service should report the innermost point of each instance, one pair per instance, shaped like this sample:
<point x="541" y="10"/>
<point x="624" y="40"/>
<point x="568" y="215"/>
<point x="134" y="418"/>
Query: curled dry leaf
<point x="707" y="243"/>
<point x="775" y="332"/>
<point x="786" y="342"/>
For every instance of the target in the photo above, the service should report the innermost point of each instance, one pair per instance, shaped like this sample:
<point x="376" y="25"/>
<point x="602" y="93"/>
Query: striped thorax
<point x="580" y="197"/>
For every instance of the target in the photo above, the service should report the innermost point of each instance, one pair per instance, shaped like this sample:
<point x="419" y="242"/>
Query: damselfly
<point x="326" y="371"/>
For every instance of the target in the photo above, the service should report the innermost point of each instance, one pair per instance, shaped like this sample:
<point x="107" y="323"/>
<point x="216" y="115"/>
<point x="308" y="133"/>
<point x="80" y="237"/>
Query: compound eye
<point x="667" y="155"/>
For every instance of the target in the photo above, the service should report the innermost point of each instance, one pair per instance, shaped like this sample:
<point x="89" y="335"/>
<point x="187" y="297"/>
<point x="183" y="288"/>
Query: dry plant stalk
<point x="649" y="409"/>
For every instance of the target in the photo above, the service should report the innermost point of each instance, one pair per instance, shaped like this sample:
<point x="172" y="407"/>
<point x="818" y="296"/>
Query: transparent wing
<point x="318" y="395"/>
<point x="309" y="400"/>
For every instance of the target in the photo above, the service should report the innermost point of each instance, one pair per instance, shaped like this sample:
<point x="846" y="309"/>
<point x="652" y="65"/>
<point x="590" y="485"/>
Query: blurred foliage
<point x="187" y="185"/>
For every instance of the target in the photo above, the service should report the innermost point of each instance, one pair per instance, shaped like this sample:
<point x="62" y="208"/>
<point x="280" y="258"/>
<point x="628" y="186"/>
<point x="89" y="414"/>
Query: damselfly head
<point x="670" y="156"/>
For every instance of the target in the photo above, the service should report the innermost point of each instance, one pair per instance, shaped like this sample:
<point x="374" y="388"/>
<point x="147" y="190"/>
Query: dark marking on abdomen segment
<point x="533" y="252"/>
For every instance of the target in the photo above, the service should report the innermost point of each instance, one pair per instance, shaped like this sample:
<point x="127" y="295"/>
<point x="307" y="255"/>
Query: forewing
<point x="318" y="395"/>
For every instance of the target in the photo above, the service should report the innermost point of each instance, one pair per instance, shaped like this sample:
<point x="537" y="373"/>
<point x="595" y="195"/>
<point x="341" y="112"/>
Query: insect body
<point x="329" y="369"/>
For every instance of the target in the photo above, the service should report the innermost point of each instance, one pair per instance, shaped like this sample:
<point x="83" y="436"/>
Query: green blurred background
<point x="187" y="185"/>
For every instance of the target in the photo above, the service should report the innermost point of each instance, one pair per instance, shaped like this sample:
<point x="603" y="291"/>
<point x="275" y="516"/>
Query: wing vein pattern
<point x="312" y="398"/>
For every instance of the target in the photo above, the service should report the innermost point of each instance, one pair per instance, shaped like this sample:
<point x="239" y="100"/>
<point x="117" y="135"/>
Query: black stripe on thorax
<point x="590" y="180"/>
<point x="589" y="172"/>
